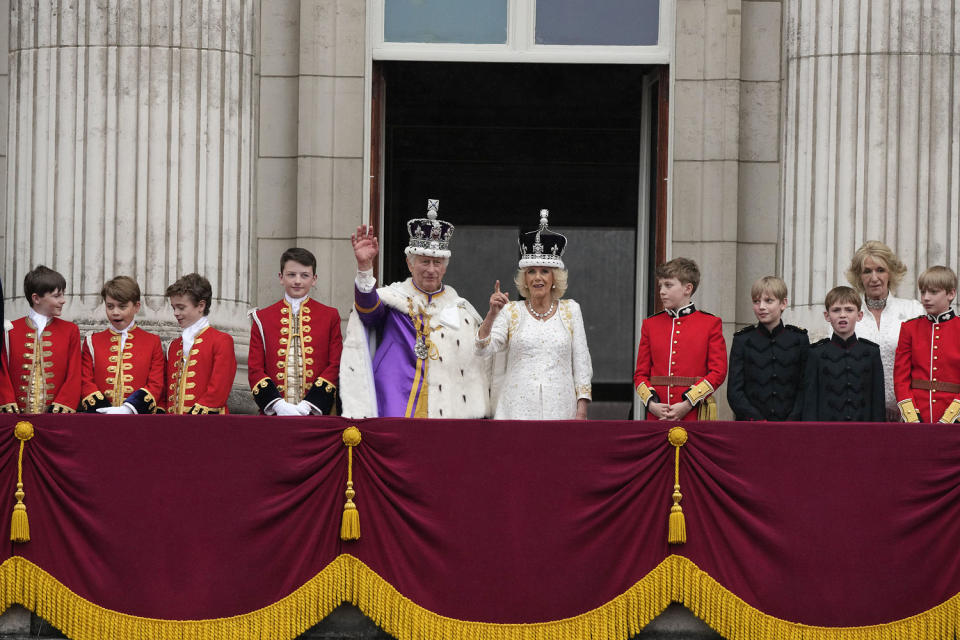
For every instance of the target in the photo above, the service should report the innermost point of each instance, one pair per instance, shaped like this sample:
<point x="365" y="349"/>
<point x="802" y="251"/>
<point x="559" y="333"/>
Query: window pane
<point x="598" y="22"/>
<point x="463" y="21"/>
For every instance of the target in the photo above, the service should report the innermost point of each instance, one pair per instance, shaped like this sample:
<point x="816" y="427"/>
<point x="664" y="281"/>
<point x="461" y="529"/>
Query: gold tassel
<point x="19" y="524"/>
<point x="350" y="525"/>
<point x="677" y="527"/>
<point x="707" y="410"/>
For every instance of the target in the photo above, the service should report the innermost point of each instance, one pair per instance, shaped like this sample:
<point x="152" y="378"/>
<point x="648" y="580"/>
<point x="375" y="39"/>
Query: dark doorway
<point x="497" y="142"/>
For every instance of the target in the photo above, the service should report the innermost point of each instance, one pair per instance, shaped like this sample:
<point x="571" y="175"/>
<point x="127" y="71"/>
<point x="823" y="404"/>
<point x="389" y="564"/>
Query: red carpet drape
<point x="199" y="518"/>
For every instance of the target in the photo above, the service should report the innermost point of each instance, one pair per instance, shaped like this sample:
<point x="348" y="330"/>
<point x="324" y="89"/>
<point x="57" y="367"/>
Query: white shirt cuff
<point x="365" y="281"/>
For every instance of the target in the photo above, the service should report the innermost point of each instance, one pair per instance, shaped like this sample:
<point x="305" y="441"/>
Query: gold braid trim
<point x="263" y="383"/>
<point x="908" y="412"/>
<point x="347" y="579"/>
<point x="92" y="398"/>
<point x="62" y="408"/>
<point x="202" y="410"/>
<point x="950" y="415"/>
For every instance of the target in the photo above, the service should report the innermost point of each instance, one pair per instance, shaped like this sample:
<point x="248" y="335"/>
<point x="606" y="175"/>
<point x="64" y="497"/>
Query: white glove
<point x="284" y="408"/>
<point x="305" y="408"/>
<point x="122" y="410"/>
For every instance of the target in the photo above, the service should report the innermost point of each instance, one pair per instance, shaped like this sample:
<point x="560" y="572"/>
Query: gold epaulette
<point x="908" y="412"/>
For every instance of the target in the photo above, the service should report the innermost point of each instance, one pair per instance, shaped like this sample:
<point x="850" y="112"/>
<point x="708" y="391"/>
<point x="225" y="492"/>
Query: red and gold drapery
<point x="182" y="527"/>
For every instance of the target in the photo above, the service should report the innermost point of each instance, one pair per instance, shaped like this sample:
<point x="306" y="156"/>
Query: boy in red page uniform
<point x="295" y="345"/>
<point x="123" y="365"/>
<point x="926" y="372"/>
<point x="200" y="363"/>
<point x="41" y="364"/>
<point x="682" y="358"/>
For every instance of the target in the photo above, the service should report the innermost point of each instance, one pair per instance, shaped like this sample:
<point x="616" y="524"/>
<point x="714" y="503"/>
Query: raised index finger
<point x="496" y="288"/>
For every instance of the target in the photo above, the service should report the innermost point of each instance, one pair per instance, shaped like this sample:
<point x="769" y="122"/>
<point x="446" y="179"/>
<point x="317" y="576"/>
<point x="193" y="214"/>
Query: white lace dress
<point x="548" y="366"/>
<point x="887" y="335"/>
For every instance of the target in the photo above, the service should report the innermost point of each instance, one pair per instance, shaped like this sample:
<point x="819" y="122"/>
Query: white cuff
<point x="271" y="409"/>
<point x="365" y="281"/>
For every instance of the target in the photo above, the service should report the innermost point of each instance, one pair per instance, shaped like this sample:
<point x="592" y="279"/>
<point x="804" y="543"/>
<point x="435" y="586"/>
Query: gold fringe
<point x="350" y="524"/>
<point x="19" y="524"/>
<point x="347" y="579"/>
<point x="677" y="525"/>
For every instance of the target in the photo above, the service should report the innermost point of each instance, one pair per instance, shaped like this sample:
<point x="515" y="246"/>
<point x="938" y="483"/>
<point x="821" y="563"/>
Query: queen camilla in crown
<point x="548" y="367"/>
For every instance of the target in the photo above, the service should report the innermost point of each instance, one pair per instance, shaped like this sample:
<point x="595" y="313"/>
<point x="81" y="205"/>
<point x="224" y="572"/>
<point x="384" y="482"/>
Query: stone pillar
<point x="869" y="141"/>
<point x="131" y="151"/>
<point x="310" y="173"/>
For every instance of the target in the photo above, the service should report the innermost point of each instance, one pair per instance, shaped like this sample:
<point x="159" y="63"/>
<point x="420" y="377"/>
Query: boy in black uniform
<point x="768" y="360"/>
<point x="844" y="377"/>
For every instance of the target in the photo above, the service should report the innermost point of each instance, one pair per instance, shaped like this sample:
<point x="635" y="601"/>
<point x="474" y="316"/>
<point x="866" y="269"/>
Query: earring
<point x="553" y="286"/>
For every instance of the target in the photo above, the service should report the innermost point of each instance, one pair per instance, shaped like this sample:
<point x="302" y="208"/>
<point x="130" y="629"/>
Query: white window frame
<point x="521" y="43"/>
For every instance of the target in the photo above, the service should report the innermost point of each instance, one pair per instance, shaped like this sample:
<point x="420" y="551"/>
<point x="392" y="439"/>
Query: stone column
<point x="870" y="139"/>
<point x="131" y="150"/>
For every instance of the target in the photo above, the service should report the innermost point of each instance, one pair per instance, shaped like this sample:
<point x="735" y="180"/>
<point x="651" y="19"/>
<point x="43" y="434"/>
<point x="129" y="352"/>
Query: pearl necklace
<point x="879" y="303"/>
<point x="541" y="316"/>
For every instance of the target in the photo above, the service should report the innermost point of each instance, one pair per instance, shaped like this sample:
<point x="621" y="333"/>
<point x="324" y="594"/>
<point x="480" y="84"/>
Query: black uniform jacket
<point x="844" y="381"/>
<point x="766" y="373"/>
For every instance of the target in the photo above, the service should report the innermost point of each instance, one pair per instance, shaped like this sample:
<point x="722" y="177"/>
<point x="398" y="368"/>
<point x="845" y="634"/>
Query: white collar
<point x="39" y="320"/>
<point x="685" y="310"/>
<point x="190" y="334"/>
<point x="123" y="333"/>
<point x="126" y="329"/>
<point x="294" y="302"/>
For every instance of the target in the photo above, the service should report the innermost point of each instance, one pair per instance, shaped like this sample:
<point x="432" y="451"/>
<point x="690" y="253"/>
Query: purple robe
<point x="395" y="366"/>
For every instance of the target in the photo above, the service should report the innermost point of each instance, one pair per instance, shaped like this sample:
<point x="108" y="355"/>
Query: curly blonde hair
<point x="560" y="279"/>
<point x="881" y="253"/>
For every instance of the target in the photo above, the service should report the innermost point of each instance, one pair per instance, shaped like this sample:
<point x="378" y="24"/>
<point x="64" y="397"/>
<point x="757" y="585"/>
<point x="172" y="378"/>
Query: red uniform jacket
<point x="928" y="351"/>
<point x="686" y="345"/>
<point x="204" y="385"/>
<point x="42" y="375"/>
<point x="322" y="344"/>
<point x="141" y="382"/>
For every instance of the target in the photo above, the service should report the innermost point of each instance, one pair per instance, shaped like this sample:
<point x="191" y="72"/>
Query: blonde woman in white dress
<point x="548" y="367"/>
<point x="875" y="271"/>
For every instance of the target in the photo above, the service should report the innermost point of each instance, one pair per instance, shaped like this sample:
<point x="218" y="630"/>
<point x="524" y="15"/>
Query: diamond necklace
<point x="879" y="303"/>
<point x="541" y="316"/>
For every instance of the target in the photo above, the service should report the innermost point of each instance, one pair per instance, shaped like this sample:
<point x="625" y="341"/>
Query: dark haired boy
<point x="844" y="377"/>
<point x="768" y="359"/>
<point x="123" y="366"/>
<point x="295" y="346"/>
<point x="682" y="357"/>
<point x="41" y="363"/>
<point x="926" y="372"/>
<point x="201" y="363"/>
